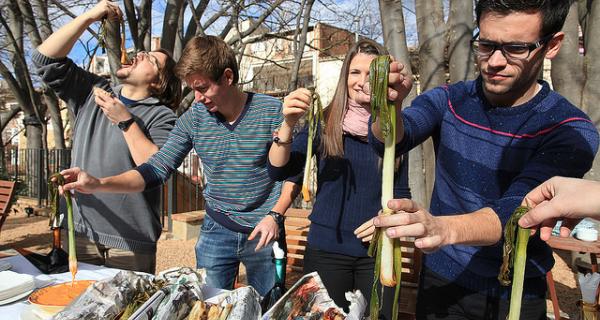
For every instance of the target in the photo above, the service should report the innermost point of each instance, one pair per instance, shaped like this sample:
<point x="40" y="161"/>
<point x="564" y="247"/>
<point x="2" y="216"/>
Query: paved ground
<point x="33" y="233"/>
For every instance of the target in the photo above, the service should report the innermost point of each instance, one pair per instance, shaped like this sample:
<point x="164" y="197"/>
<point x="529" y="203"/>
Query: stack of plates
<point x="14" y="286"/>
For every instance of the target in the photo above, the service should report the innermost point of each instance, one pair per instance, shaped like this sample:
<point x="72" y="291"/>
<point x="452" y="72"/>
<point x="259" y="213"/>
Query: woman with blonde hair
<point x="348" y="178"/>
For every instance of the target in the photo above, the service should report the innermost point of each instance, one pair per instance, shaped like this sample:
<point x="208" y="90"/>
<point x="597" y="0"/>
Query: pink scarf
<point x="356" y="120"/>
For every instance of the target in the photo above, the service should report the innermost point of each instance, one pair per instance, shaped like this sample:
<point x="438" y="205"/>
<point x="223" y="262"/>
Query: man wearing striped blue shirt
<point x="231" y="131"/>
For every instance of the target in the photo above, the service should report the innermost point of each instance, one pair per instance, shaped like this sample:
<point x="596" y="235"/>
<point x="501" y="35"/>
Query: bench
<point x="7" y="190"/>
<point x="296" y="228"/>
<point x="187" y="225"/>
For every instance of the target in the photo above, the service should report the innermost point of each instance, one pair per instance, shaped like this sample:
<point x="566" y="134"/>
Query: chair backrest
<point x="296" y="231"/>
<point x="7" y="190"/>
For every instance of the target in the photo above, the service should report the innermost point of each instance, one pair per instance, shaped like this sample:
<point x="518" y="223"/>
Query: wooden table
<point x="574" y="245"/>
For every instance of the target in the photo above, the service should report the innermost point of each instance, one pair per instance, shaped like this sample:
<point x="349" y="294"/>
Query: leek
<point x="58" y="180"/>
<point x="315" y="118"/>
<point x="516" y="262"/>
<point x="388" y="260"/>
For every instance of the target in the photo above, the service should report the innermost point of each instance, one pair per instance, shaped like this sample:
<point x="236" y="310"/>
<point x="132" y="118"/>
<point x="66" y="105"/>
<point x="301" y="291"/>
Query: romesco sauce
<point x="60" y="294"/>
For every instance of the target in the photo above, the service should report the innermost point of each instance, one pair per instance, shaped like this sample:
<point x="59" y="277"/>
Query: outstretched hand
<point x="78" y="180"/>
<point x="560" y="198"/>
<point x="411" y="220"/>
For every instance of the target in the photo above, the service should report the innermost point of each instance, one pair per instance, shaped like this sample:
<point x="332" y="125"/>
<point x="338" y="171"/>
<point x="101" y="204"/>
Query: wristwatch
<point x="279" y="218"/>
<point x="123" y="125"/>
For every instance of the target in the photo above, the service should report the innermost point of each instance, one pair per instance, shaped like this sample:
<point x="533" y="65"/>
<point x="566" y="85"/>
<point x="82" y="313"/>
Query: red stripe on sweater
<point x="508" y="134"/>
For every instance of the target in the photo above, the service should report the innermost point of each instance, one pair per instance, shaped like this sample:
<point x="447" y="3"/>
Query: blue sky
<point x="334" y="12"/>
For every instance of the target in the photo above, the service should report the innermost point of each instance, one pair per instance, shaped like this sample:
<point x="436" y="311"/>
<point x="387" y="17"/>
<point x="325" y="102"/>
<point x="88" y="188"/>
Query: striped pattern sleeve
<point x="159" y="167"/>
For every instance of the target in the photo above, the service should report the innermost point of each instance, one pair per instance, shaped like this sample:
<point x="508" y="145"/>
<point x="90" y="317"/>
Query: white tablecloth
<point x="21" y="265"/>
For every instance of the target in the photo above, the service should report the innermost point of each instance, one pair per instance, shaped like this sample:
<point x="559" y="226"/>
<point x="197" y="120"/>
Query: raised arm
<point x="294" y="106"/>
<point x="60" y="43"/>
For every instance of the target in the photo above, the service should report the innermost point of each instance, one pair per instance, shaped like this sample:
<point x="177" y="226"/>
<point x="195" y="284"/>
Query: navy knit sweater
<point x="348" y="192"/>
<point x="491" y="157"/>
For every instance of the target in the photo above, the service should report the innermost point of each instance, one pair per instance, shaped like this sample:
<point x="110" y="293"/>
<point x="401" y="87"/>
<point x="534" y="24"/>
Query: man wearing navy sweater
<point x="496" y="138"/>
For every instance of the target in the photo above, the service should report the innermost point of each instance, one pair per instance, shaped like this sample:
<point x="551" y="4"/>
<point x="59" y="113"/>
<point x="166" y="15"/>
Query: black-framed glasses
<point x="514" y="51"/>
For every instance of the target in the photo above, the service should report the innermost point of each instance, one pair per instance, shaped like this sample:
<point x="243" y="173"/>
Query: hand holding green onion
<point x="387" y="251"/>
<point x="57" y="180"/>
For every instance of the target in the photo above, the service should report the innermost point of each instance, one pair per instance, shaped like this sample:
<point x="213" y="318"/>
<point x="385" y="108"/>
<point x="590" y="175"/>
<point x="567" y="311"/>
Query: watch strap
<point x="124" y="125"/>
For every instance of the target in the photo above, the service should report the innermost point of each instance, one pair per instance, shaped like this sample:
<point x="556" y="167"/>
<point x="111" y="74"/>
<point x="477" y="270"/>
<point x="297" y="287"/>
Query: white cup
<point x="586" y="234"/>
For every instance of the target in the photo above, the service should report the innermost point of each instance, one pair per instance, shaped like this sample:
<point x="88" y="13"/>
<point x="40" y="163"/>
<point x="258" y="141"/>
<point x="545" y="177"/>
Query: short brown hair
<point x="168" y="90"/>
<point x="208" y="55"/>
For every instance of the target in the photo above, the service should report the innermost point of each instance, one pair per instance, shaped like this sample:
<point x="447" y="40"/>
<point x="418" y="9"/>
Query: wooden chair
<point x="7" y="190"/>
<point x="411" y="271"/>
<point x="296" y="231"/>
<point x="296" y="228"/>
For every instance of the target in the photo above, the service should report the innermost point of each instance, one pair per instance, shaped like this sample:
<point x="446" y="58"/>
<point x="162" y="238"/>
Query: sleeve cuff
<point x="151" y="178"/>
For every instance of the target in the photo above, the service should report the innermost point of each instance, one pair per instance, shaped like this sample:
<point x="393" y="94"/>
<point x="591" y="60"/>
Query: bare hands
<point x="399" y="83"/>
<point x="105" y="9"/>
<point x="268" y="229"/>
<point x="78" y="180"/>
<point x="365" y="231"/>
<point x="411" y="220"/>
<point x="295" y="105"/>
<point x="559" y="198"/>
<point x="112" y="107"/>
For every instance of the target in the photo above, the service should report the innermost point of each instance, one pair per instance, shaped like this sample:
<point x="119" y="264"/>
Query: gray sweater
<point x="126" y="221"/>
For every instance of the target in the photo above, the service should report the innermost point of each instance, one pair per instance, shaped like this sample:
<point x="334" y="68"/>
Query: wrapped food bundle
<point x="242" y="303"/>
<point x="308" y="300"/>
<point x="184" y="298"/>
<point x="181" y="294"/>
<point x="106" y="299"/>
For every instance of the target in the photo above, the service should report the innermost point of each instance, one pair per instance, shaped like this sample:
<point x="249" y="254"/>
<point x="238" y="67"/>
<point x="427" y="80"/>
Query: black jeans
<point x="440" y="299"/>
<point x="341" y="273"/>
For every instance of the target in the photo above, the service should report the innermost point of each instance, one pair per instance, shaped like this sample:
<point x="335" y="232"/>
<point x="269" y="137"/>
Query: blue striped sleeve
<point x="159" y="167"/>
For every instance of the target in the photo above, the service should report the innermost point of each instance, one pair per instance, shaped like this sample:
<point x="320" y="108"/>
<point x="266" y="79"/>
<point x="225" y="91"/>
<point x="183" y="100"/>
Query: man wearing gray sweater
<point x="115" y="129"/>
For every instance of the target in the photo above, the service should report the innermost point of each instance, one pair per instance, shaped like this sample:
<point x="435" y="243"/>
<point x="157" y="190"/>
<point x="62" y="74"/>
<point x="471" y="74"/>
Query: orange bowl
<point x="53" y="299"/>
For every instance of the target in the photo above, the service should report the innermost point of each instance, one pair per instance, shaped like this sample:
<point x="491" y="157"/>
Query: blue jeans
<point x="220" y="251"/>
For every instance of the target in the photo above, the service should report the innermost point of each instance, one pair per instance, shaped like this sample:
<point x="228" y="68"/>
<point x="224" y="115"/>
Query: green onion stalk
<point x="58" y="180"/>
<point x="513" y="261"/>
<point x="387" y="252"/>
<point x="315" y="118"/>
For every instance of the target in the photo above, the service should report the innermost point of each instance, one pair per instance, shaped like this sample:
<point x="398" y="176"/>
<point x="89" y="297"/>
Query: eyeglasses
<point x="153" y="60"/>
<point x="514" y="51"/>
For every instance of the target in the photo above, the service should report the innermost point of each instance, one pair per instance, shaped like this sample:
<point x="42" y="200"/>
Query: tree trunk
<point x="564" y="80"/>
<point x="55" y="118"/>
<point x="591" y="89"/>
<point x="432" y="68"/>
<point x="461" y="63"/>
<point x="113" y="48"/>
<point x="145" y="25"/>
<point x="301" y="43"/>
<point x="394" y="36"/>
<point x="170" y="22"/>
<point x="132" y="22"/>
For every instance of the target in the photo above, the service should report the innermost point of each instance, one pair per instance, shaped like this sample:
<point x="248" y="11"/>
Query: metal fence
<point x="33" y="167"/>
